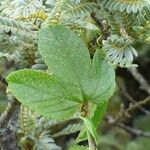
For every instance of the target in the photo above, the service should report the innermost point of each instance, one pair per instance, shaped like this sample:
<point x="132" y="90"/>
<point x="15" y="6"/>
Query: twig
<point x="142" y="81"/>
<point x="131" y="130"/>
<point x="115" y="121"/>
<point x="129" y="97"/>
<point x="137" y="105"/>
<point x="134" y="131"/>
<point x="126" y="113"/>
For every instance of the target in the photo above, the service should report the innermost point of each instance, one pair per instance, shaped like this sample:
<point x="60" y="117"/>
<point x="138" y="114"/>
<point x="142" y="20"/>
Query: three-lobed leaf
<point x="72" y="78"/>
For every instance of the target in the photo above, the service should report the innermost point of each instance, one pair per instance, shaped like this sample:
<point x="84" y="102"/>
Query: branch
<point x="130" y="98"/>
<point x="126" y="113"/>
<point x="134" y="131"/>
<point x="140" y="79"/>
<point x="131" y="130"/>
<point x="137" y="105"/>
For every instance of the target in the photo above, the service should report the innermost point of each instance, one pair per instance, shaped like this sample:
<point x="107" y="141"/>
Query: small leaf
<point x="42" y="93"/>
<point x="82" y="135"/>
<point x="99" y="113"/>
<point x="90" y="127"/>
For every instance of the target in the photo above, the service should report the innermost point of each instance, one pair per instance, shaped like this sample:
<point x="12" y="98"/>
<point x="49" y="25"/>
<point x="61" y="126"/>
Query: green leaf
<point x="99" y="113"/>
<point x="42" y="93"/>
<point x="68" y="59"/>
<point x="90" y="127"/>
<point x="103" y="77"/>
<point x="82" y="135"/>
<point x="77" y="147"/>
<point x="65" y="54"/>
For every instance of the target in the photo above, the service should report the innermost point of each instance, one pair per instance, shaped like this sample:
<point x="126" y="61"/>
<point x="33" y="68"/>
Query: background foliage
<point x="121" y="29"/>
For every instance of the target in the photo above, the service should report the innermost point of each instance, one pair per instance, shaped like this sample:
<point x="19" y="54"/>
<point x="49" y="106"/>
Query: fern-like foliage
<point x="39" y="14"/>
<point x="71" y="128"/>
<point x="15" y="56"/>
<point x="36" y="18"/>
<point x="32" y="11"/>
<point x="32" y="133"/>
<point x="12" y="48"/>
<point x="26" y="120"/>
<point x="142" y="30"/>
<point x="13" y="26"/>
<point x="130" y="6"/>
<point x="128" y="19"/>
<point x="45" y="142"/>
<point x="78" y="9"/>
<point x="39" y="63"/>
<point x="21" y="7"/>
<point x="122" y="23"/>
<point x="70" y="12"/>
<point x="119" y="50"/>
<point x="38" y="132"/>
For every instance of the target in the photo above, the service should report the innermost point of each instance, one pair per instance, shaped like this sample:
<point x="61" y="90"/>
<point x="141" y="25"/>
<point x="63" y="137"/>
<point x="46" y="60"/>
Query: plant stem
<point x="91" y="141"/>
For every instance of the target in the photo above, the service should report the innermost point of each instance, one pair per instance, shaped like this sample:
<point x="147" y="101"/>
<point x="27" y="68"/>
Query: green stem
<point x="91" y="141"/>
